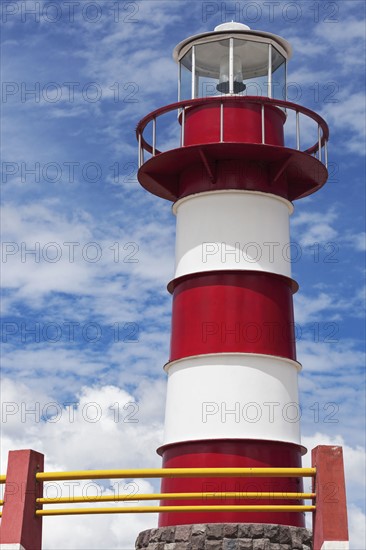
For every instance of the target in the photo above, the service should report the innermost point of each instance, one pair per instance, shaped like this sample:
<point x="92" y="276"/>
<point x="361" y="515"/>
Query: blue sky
<point x="86" y="317"/>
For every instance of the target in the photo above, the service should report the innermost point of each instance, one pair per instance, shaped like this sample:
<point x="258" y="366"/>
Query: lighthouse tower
<point x="243" y="158"/>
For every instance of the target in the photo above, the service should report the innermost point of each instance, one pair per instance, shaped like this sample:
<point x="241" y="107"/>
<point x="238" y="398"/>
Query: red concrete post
<point x="20" y="527"/>
<point x="330" y="525"/>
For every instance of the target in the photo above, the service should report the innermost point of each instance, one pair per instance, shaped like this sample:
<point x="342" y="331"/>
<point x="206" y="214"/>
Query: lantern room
<point x="232" y="127"/>
<point x="232" y="60"/>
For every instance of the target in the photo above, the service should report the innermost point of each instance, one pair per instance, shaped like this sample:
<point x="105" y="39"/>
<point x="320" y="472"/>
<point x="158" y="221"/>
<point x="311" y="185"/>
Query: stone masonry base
<point x="225" y="536"/>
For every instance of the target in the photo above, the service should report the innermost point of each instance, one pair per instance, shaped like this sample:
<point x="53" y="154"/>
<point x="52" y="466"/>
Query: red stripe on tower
<point x="232" y="398"/>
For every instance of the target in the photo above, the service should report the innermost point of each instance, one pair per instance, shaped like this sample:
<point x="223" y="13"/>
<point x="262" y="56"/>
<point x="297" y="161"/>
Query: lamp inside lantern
<point x="224" y="83"/>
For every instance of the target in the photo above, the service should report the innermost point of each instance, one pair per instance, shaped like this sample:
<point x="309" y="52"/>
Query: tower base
<point x="226" y="536"/>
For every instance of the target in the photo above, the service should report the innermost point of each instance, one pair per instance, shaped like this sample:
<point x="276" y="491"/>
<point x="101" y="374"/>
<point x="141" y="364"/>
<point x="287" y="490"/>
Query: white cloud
<point x="107" y="428"/>
<point x="97" y="255"/>
<point x="348" y="117"/>
<point x="339" y="38"/>
<point x="308" y="309"/>
<point x="311" y="227"/>
<point x="326" y="357"/>
<point x="359" y="241"/>
<point x="328" y="310"/>
<point x="356" y="526"/>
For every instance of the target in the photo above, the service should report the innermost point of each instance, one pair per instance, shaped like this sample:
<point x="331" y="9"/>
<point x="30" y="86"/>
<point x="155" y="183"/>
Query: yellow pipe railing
<point x="178" y="496"/>
<point x="160" y="509"/>
<point x="177" y="473"/>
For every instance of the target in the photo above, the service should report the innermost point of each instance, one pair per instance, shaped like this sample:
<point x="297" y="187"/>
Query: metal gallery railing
<point x="319" y="149"/>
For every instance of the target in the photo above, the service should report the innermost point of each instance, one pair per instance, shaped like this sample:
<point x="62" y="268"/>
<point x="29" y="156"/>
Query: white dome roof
<point x="233" y="26"/>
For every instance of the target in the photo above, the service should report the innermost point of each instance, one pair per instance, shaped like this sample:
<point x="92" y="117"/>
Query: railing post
<point x="20" y="528"/>
<point x="154" y="136"/>
<point x="298" y="130"/>
<point x="140" y="151"/>
<point x="221" y="121"/>
<point x="330" y="526"/>
<point x="182" y="134"/>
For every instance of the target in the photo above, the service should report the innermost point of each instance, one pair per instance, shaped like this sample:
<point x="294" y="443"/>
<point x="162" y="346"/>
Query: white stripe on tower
<point x="223" y="396"/>
<point x="232" y="229"/>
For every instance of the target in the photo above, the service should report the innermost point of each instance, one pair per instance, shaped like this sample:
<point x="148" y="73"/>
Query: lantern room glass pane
<point x="278" y="75"/>
<point x="211" y="60"/>
<point x="255" y="67"/>
<point x="186" y="76"/>
<point x="209" y="56"/>
<point x="207" y="87"/>
<point x="254" y="56"/>
<point x="257" y="86"/>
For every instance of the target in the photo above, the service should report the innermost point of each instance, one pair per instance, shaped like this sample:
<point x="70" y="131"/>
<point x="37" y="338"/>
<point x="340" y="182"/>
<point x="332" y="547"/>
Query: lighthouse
<point x="243" y="158"/>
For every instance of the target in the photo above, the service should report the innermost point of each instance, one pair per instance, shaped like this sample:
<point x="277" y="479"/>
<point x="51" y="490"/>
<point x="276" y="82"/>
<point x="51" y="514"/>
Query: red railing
<point x="319" y="149"/>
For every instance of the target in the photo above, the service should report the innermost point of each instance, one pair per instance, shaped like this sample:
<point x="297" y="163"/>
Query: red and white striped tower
<point x="232" y="397"/>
